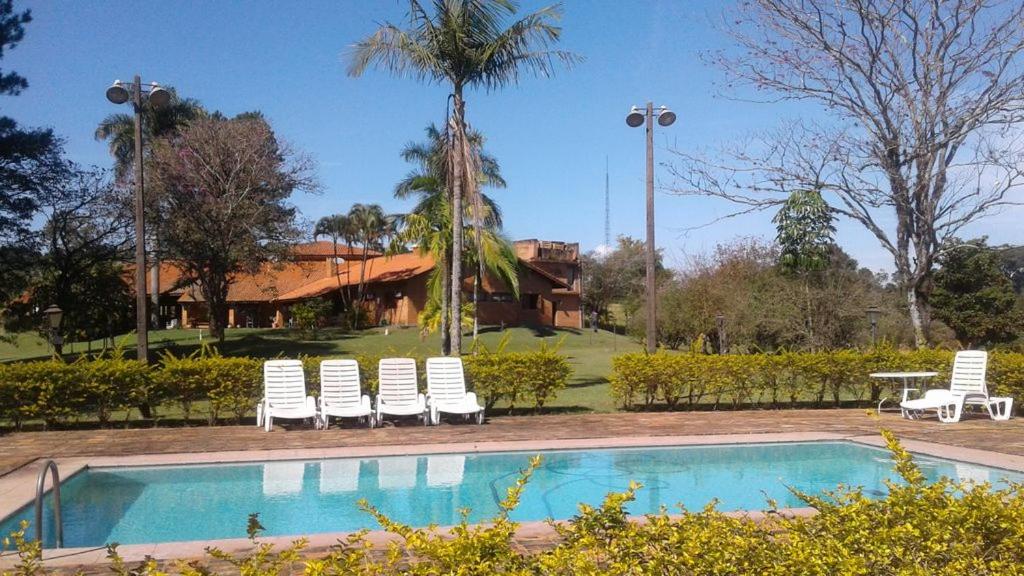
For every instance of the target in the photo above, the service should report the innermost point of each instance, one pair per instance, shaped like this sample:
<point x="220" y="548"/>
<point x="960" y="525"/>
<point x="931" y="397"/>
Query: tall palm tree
<point x="118" y="130"/>
<point x="464" y="44"/>
<point x="337" y="227"/>
<point x="429" y="222"/>
<point x="374" y="230"/>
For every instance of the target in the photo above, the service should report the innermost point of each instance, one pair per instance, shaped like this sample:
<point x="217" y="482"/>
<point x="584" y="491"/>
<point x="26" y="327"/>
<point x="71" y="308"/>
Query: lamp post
<point x="720" y="326"/>
<point x="634" y="119"/>
<point x="119" y="93"/>
<point x="54" y="315"/>
<point x="873" y="313"/>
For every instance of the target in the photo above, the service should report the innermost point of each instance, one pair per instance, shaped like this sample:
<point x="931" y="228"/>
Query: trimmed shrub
<point x="821" y="378"/>
<point x="535" y="376"/>
<point x="113" y="383"/>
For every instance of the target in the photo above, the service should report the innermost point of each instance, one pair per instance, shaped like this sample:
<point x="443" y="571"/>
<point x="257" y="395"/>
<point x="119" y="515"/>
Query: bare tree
<point x="924" y="102"/>
<point x="227" y="184"/>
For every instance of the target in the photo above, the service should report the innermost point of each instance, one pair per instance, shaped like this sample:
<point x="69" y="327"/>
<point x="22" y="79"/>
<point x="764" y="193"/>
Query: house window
<point x="531" y="301"/>
<point x="501" y="297"/>
<point x="480" y="297"/>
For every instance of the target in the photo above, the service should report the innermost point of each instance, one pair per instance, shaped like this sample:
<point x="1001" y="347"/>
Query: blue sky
<point x="551" y="136"/>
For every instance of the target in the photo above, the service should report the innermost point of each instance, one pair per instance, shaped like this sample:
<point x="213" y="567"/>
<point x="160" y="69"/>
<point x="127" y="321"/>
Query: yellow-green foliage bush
<point x="943" y="529"/>
<point x="113" y="383"/>
<point x="230" y="384"/>
<point x="535" y="376"/>
<point x="797" y="377"/>
<point x="50" y="391"/>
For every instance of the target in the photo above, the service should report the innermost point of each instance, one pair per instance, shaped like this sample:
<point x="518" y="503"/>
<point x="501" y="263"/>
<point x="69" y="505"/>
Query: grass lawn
<point x="589" y="353"/>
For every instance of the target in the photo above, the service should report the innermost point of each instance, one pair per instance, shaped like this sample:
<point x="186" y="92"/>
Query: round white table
<point x="907" y="379"/>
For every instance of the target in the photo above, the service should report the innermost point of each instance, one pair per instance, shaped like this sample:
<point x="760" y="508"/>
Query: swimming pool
<point x="133" y="505"/>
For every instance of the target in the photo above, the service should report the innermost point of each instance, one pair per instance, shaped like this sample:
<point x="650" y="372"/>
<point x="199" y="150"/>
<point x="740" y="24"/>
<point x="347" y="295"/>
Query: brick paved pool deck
<point x="976" y="431"/>
<point x="963" y="440"/>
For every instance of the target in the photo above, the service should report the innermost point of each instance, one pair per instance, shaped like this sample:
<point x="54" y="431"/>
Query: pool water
<point x="203" y="502"/>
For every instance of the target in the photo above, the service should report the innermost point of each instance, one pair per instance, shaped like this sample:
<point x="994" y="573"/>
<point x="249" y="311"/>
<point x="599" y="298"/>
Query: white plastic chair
<point x="398" y="390"/>
<point x="284" y="394"/>
<point x="966" y="387"/>
<point x="446" y="390"/>
<point x="340" y="393"/>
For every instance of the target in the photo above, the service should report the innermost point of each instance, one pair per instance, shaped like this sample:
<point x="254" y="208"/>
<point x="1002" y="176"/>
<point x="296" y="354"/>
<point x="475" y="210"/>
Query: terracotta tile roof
<point x="325" y="249"/>
<point x="380" y="269"/>
<point x="171" y="281"/>
<point x="272" y="280"/>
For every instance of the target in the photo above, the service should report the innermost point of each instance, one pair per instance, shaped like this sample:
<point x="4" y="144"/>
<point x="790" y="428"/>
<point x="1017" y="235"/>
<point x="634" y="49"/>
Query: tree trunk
<point x="215" y="292"/>
<point x="918" y="317"/>
<point x="446" y="280"/>
<point x="458" y="166"/>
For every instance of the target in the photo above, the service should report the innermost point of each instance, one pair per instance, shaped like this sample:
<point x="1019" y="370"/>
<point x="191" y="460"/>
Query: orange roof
<point x="379" y="269"/>
<point x="268" y="283"/>
<point x="325" y="249"/>
<point x="171" y="280"/>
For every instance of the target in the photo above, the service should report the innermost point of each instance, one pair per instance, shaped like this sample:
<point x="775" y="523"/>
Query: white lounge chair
<point x="340" y="393"/>
<point x="284" y="394"/>
<point x="446" y="390"/>
<point x="966" y="387"/>
<point x="398" y="390"/>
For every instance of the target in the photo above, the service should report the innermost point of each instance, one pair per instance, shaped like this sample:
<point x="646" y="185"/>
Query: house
<point x="395" y="287"/>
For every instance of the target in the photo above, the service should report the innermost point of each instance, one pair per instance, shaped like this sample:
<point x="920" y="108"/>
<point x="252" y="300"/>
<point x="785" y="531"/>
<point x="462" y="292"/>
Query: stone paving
<point x="976" y="431"/>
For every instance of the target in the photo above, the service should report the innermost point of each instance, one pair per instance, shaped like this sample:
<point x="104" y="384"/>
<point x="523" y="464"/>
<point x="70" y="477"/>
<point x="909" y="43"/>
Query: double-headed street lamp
<point x="157" y="97"/>
<point x="634" y="119"/>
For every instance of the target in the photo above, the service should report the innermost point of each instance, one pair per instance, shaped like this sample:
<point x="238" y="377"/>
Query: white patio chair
<point x="446" y="391"/>
<point x="284" y="394"/>
<point x="340" y="393"/>
<point x="966" y="387"/>
<point x="398" y="390"/>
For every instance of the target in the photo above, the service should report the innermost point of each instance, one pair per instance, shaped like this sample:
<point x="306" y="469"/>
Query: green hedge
<point x="534" y="377"/>
<point x="56" y="392"/>
<point x="788" y="378"/>
<point x="919" y="528"/>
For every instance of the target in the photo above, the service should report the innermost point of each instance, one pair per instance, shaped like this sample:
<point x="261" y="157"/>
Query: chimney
<point x="332" y="266"/>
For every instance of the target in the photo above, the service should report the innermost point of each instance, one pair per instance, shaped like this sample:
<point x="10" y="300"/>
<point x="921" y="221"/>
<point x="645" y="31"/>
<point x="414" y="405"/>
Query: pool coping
<point x="18" y="488"/>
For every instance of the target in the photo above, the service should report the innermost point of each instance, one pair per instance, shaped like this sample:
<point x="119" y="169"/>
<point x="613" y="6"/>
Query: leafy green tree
<point x="85" y="238"/>
<point x="974" y="296"/>
<point x="618" y="276"/>
<point x="805" y="232"/>
<point x="227" y="184"/>
<point x="805" y="235"/>
<point x="310" y="315"/>
<point x="30" y="161"/>
<point x="464" y="44"/>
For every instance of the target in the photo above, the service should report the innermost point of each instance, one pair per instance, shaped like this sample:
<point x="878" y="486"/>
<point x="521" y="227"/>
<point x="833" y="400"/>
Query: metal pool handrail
<point x="49" y="466"/>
